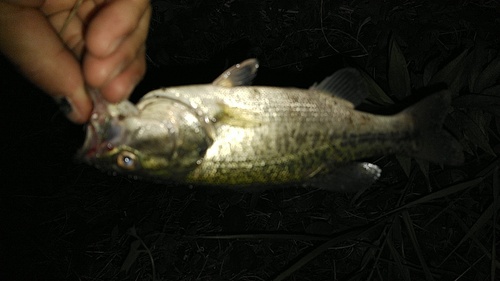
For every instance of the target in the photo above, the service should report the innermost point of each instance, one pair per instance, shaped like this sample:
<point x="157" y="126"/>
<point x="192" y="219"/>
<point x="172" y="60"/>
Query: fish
<point x="230" y="133"/>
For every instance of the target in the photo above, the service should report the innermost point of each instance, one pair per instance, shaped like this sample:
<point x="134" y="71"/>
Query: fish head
<point x="159" y="140"/>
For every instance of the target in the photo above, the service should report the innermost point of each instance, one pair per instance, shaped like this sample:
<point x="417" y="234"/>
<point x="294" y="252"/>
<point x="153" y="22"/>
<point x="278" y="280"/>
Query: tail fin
<point x="433" y="143"/>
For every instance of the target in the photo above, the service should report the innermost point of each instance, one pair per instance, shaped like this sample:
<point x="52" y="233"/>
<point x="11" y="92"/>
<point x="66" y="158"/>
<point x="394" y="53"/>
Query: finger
<point x="31" y="43"/>
<point x="114" y="22"/>
<point x="99" y="71"/>
<point x="26" y="3"/>
<point x="122" y="85"/>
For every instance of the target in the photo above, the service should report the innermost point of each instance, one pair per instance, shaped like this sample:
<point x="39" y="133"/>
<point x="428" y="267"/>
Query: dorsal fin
<point x="346" y="83"/>
<point x="241" y="74"/>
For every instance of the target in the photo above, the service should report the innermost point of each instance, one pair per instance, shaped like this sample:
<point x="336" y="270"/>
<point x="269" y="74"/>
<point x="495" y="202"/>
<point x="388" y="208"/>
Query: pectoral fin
<point x="237" y="117"/>
<point x="348" y="178"/>
<point x="241" y="74"/>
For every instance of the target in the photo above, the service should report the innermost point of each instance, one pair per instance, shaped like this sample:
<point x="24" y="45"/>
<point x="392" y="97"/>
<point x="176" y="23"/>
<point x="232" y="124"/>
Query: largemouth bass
<point x="229" y="133"/>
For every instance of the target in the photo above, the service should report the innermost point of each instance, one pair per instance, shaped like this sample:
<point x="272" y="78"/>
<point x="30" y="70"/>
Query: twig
<point x="70" y="16"/>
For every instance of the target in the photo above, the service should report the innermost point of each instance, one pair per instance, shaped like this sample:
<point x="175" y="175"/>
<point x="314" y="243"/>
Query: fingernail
<point x="64" y="105"/>
<point x="67" y="109"/>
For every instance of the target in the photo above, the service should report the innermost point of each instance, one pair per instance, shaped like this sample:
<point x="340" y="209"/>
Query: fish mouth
<point x="103" y="127"/>
<point x="90" y="145"/>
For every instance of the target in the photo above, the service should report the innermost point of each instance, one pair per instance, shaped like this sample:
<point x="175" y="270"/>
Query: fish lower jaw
<point x="90" y="144"/>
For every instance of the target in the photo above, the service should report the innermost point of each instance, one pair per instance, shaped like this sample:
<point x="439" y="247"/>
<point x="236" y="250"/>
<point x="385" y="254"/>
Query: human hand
<point x="103" y="46"/>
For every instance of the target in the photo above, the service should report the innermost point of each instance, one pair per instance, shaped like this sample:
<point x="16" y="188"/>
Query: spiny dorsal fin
<point x="346" y="83"/>
<point x="241" y="74"/>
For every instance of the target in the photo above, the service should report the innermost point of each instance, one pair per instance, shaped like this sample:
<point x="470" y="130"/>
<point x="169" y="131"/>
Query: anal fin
<point x="350" y="178"/>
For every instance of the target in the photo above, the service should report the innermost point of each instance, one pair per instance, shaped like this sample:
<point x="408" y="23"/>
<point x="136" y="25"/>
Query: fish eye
<point x="127" y="160"/>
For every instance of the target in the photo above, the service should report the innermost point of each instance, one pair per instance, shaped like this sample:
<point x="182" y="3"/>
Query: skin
<point x="103" y="46"/>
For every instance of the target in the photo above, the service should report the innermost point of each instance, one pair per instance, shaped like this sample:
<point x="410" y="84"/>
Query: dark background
<point x="64" y="220"/>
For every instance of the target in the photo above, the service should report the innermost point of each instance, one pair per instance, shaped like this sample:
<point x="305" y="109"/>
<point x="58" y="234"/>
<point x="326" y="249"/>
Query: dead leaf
<point x="405" y="163"/>
<point x="451" y="74"/>
<point x="397" y="75"/>
<point x="474" y="129"/>
<point x="489" y="76"/>
<point x="430" y="69"/>
<point x="488" y="100"/>
<point x="133" y="253"/>
<point x="477" y="63"/>
<point x="376" y="94"/>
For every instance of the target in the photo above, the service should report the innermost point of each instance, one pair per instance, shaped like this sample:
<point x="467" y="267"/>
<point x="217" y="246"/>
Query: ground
<point x="64" y="220"/>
